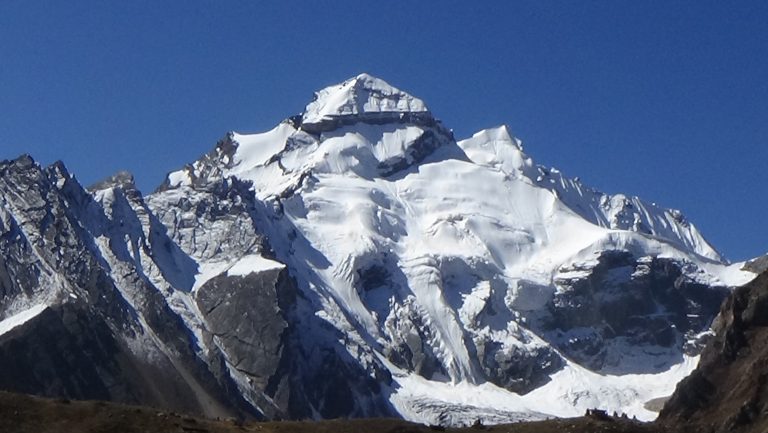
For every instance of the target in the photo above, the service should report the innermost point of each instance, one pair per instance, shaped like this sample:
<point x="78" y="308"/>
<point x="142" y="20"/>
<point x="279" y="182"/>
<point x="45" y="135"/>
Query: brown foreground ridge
<point x="27" y="414"/>
<point x="728" y="391"/>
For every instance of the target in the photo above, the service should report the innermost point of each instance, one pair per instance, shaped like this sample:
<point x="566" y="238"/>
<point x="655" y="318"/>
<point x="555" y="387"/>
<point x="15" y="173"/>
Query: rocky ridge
<point x="727" y="392"/>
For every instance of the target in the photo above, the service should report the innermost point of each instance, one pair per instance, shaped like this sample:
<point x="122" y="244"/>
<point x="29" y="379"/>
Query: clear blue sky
<point x="664" y="100"/>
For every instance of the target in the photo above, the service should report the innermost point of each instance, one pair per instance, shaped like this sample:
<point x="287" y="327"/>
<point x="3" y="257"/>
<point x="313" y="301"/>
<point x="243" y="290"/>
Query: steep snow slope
<point x="498" y="149"/>
<point x="464" y="264"/>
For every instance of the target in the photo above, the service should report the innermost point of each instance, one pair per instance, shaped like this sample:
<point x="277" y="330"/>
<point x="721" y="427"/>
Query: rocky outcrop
<point x="611" y="313"/>
<point x="247" y="318"/>
<point x="728" y="392"/>
<point x="108" y="332"/>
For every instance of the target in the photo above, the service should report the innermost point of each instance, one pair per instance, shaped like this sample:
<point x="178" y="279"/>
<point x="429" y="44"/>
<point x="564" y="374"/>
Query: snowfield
<point x="570" y="393"/>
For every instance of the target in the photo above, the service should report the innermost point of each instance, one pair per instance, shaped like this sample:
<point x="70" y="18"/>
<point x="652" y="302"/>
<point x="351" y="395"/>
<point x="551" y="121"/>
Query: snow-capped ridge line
<point x="498" y="148"/>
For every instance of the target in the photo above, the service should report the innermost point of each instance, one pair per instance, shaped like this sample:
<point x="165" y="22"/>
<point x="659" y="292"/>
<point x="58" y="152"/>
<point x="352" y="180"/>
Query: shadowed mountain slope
<point x="728" y="391"/>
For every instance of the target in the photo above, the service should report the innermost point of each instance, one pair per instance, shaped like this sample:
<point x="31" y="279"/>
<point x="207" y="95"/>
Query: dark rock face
<point x="727" y="391"/>
<point x="624" y="307"/>
<point x="67" y="352"/>
<point x="419" y="150"/>
<point x="520" y="371"/>
<point x="46" y="356"/>
<point x="246" y="315"/>
<point x="332" y="123"/>
<point x="126" y="341"/>
<point x="209" y="166"/>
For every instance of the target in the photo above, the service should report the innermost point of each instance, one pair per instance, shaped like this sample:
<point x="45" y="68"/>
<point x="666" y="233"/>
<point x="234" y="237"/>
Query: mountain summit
<point x="353" y="261"/>
<point x="362" y="94"/>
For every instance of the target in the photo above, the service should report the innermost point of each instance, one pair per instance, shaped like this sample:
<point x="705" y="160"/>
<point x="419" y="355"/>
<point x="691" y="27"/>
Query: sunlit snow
<point x="361" y="94"/>
<point x="453" y="226"/>
<point x="253" y="263"/>
<point x="21" y="317"/>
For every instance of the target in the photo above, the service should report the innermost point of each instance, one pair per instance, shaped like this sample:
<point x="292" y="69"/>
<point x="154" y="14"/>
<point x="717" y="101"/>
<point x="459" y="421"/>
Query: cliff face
<point x="727" y="392"/>
<point x="82" y="316"/>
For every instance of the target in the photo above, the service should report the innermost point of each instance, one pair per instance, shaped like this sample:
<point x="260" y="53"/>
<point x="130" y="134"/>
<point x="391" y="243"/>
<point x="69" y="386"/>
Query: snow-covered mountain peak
<point x="499" y="134"/>
<point x="363" y="127"/>
<point x="360" y="250"/>
<point x="498" y="148"/>
<point x="363" y="94"/>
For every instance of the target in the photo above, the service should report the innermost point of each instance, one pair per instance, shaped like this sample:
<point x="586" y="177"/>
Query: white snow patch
<point x="21" y="317"/>
<point x="732" y="275"/>
<point x="257" y="149"/>
<point x="574" y="389"/>
<point x="208" y="270"/>
<point x="179" y="178"/>
<point x="252" y="263"/>
<point x="570" y="393"/>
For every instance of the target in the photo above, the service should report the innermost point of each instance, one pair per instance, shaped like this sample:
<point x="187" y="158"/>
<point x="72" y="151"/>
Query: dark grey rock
<point x="625" y="307"/>
<point x="247" y="316"/>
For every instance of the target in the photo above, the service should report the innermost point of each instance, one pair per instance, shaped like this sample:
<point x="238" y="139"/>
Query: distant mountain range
<point x="355" y="261"/>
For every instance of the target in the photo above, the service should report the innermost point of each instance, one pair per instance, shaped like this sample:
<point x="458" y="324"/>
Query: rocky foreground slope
<point x="26" y="414"/>
<point x="727" y="392"/>
<point x="354" y="261"/>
